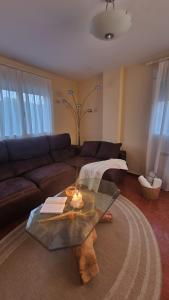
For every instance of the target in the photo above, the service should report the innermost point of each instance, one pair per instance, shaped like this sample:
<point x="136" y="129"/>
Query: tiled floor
<point x="157" y="212"/>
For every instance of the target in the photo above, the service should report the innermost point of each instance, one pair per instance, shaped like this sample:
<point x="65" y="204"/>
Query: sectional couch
<point x="32" y="169"/>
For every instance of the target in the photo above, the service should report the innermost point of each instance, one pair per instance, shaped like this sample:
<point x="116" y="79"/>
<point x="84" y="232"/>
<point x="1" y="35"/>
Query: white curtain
<point x="158" y="142"/>
<point x="25" y="104"/>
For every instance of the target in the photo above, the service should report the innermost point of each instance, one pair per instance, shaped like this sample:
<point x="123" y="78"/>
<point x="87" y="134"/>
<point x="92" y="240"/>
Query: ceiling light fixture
<point x="111" y="23"/>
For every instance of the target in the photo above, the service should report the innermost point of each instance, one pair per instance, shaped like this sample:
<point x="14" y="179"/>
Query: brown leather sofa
<point x="32" y="169"/>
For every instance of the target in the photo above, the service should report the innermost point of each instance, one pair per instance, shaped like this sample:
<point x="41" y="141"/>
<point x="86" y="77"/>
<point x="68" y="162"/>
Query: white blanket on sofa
<point x="91" y="174"/>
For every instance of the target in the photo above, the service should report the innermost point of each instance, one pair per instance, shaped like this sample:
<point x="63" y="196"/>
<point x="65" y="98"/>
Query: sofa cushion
<point x="89" y="148"/>
<point x="23" y="166"/>
<point x="14" y="186"/>
<point x="79" y="161"/>
<point x="17" y="197"/>
<point x="53" y="178"/>
<point x="59" y="141"/>
<point x="108" y="150"/>
<point x="63" y="154"/>
<point x="27" y="148"/>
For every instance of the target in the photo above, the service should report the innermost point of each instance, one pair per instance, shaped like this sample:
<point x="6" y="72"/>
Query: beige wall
<point x="91" y="125"/>
<point x="137" y="103"/>
<point x="135" y="115"/>
<point x="63" y="117"/>
<point x="111" y="85"/>
<point x="63" y="121"/>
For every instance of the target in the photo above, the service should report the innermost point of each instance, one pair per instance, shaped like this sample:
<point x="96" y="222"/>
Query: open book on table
<point x="54" y="205"/>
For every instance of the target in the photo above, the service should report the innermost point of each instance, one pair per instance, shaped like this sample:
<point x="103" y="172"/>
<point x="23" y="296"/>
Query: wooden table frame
<point x="86" y="256"/>
<point x="87" y="262"/>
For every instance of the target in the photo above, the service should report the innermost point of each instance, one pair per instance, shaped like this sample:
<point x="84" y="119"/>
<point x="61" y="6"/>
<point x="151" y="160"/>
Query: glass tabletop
<point x="65" y="233"/>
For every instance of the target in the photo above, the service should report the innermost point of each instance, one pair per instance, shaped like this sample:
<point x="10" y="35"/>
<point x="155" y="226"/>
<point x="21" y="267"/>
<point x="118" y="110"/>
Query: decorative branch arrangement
<point x="70" y="215"/>
<point x="77" y="108"/>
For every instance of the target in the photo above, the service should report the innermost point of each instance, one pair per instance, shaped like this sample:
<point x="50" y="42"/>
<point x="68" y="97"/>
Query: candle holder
<point x="77" y="201"/>
<point x="70" y="191"/>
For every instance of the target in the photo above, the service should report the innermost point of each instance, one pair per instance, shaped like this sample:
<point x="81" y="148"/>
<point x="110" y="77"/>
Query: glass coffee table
<point x="78" y="231"/>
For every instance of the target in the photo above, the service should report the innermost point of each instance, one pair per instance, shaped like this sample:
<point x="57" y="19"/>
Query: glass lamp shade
<point x="110" y="24"/>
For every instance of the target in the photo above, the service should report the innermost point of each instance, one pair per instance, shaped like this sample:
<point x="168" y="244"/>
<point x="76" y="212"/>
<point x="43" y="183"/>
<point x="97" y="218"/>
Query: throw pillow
<point x="89" y="148"/>
<point x="108" y="150"/>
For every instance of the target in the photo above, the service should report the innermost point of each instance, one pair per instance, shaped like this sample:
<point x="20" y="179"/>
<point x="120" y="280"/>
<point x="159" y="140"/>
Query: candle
<point x="77" y="196"/>
<point x="77" y="201"/>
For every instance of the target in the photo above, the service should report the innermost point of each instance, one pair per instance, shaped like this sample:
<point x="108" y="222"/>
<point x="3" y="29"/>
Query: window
<point x="10" y="114"/>
<point x="37" y="109"/>
<point x="25" y="104"/>
<point x="161" y="108"/>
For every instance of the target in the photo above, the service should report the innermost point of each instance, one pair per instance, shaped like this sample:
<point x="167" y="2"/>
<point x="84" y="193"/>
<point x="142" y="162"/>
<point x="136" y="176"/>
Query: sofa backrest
<point x="27" y="154"/>
<point x="60" y="147"/>
<point x="123" y="155"/>
<point x="6" y="170"/>
<point x="18" y="156"/>
<point x="3" y="152"/>
<point x="27" y="148"/>
<point x="102" y="150"/>
<point x="59" y="141"/>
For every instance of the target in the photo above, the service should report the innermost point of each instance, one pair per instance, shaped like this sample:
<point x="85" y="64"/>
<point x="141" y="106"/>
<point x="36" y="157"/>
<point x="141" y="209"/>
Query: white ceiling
<point x="54" y="34"/>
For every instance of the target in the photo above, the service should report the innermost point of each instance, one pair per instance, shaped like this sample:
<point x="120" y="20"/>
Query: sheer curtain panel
<point x="158" y="142"/>
<point x="25" y="104"/>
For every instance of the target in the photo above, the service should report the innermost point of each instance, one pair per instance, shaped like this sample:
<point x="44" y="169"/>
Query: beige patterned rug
<point x="127" y="253"/>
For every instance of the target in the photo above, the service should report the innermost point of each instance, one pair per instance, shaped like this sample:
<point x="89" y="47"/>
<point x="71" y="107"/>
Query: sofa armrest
<point x="122" y="154"/>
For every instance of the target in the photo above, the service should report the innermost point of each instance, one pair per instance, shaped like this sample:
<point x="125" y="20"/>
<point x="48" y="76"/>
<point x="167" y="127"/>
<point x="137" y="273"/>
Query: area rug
<point x="127" y="254"/>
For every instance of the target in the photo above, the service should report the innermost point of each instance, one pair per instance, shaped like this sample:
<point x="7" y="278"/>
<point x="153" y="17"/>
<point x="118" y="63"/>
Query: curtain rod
<point x="156" y="61"/>
<point x="20" y="69"/>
